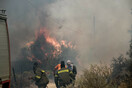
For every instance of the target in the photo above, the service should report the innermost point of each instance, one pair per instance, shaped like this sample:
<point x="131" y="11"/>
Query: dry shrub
<point x="101" y="76"/>
<point x="22" y="80"/>
<point x="95" y="76"/>
<point x="70" y="86"/>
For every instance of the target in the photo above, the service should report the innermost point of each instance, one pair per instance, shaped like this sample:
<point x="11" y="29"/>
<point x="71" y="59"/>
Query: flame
<point x="67" y="45"/>
<point x="30" y="58"/>
<point x="33" y="57"/>
<point x="44" y="40"/>
<point x="54" y="43"/>
<point x="71" y="45"/>
<point x="63" y="42"/>
<point x="29" y="43"/>
<point x="51" y="40"/>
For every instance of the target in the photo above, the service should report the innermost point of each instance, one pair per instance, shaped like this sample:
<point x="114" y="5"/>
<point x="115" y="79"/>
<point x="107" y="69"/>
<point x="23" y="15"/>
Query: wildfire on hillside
<point x="46" y="47"/>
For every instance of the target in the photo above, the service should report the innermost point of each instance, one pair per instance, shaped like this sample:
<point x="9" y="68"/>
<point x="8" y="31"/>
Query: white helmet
<point x="68" y="62"/>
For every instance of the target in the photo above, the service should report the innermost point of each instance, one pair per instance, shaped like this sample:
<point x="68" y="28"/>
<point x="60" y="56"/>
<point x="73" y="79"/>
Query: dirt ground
<point x="50" y="85"/>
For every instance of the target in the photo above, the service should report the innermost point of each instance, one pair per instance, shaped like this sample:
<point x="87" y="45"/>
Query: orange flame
<point x="50" y="40"/>
<point x="29" y="43"/>
<point x="69" y="44"/>
<point x="53" y="42"/>
<point x="64" y="43"/>
<point x="30" y="58"/>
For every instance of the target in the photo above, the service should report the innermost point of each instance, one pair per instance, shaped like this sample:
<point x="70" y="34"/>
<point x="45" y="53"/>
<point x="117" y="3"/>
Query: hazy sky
<point x="107" y="39"/>
<point x="73" y="20"/>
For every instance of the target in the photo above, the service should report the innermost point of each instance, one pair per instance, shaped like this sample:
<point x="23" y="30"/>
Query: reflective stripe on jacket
<point x="40" y="77"/>
<point x="64" y="76"/>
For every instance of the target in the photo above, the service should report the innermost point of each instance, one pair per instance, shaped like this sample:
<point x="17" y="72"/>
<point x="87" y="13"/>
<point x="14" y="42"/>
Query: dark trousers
<point x="42" y="86"/>
<point x="62" y="85"/>
<point x="56" y="81"/>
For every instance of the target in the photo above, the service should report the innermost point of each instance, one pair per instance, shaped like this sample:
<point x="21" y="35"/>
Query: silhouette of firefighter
<point x="40" y="78"/>
<point x="57" y="67"/>
<point x="72" y="67"/>
<point x="63" y="76"/>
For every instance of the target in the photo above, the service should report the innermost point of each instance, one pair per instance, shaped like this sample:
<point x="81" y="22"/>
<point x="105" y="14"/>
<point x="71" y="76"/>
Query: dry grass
<point x="98" y="76"/>
<point x="95" y="76"/>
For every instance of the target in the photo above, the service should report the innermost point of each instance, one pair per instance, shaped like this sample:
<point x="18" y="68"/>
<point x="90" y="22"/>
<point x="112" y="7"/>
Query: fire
<point x="67" y="44"/>
<point x="29" y="43"/>
<point x="30" y="58"/>
<point x="64" y="43"/>
<point x="46" y="49"/>
<point x="50" y="40"/>
<point x="53" y="42"/>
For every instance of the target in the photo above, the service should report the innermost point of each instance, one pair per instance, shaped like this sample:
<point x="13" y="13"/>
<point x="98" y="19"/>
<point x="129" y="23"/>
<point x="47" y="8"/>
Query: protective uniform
<point x="73" y="69"/>
<point x="64" y="76"/>
<point x="57" y="67"/>
<point x="69" y="66"/>
<point x="40" y="78"/>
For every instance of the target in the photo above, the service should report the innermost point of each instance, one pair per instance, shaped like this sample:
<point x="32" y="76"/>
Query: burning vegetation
<point x="46" y="50"/>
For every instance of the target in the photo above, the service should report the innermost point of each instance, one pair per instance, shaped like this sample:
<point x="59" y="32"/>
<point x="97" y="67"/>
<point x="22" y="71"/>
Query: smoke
<point x="23" y="19"/>
<point x="99" y="28"/>
<point x="107" y="39"/>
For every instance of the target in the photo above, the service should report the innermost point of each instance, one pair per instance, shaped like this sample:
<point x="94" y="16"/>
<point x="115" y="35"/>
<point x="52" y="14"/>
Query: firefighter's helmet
<point x="68" y="61"/>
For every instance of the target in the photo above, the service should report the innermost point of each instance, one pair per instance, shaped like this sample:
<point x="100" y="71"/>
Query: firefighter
<point x="72" y="67"/>
<point x="57" y="67"/>
<point x="64" y="76"/>
<point x="40" y="78"/>
<point x="69" y="66"/>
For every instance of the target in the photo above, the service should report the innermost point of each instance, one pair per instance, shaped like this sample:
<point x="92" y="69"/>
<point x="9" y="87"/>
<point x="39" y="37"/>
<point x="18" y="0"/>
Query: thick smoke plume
<point x="98" y="28"/>
<point x="24" y="17"/>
